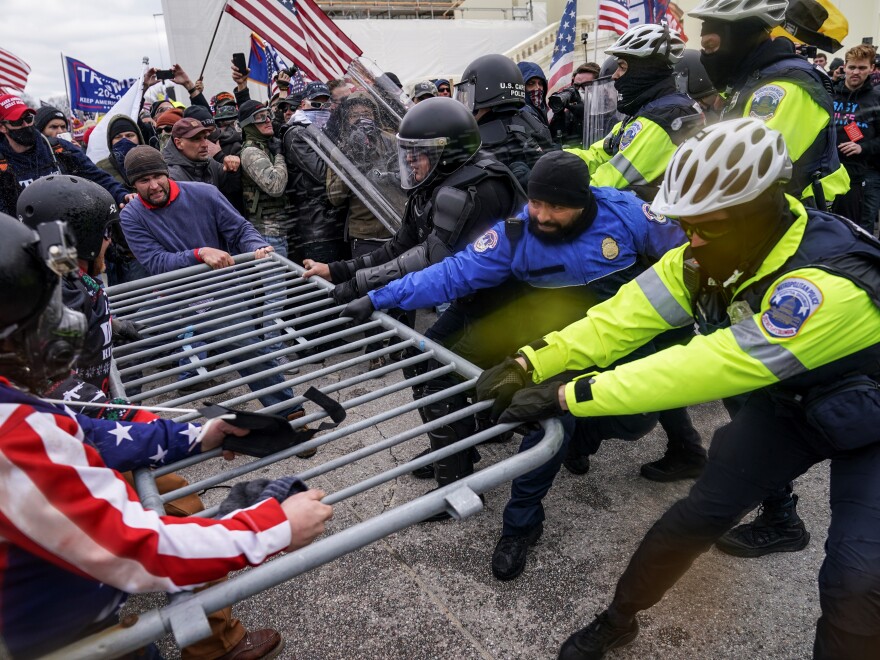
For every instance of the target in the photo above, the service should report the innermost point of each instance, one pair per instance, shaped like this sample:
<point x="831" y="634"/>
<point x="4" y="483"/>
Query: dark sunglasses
<point x="27" y="119"/>
<point x="708" y="231"/>
<point x="164" y="129"/>
<point x="441" y="90"/>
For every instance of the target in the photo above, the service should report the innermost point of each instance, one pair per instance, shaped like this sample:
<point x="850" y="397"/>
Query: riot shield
<point x="359" y="141"/>
<point x="600" y="110"/>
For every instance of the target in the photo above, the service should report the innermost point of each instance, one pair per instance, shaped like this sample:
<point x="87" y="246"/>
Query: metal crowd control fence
<point x="180" y="310"/>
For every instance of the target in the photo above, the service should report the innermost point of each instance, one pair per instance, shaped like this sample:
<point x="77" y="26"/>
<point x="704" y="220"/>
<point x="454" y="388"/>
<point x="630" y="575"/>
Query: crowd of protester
<point x="198" y="183"/>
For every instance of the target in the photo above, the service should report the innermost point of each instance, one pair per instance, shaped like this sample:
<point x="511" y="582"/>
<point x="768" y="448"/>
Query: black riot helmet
<point x="87" y="208"/>
<point x="436" y="136"/>
<point x="692" y="77"/>
<point x="491" y="81"/>
<point x="609" y="66"/>
<point x="44" y="337"/>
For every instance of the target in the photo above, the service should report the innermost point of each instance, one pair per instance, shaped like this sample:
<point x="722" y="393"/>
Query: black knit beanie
<point x="121" y="125"/>
<point x="46" y="114"/>
<point x="561" y="178"/>
<point x="142" y="161"/>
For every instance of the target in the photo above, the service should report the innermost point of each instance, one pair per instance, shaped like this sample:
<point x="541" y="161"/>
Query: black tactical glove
<point x="359" y="310"/>
<point x="124" y="332"/>
<point x="345" y="292"/>
<point x="274" y="146"/>
<point x="501" y="382"/>
<point x="534" y="403"/>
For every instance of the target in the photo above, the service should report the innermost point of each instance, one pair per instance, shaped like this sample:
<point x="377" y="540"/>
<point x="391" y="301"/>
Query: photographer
<point x="567" y="105"/>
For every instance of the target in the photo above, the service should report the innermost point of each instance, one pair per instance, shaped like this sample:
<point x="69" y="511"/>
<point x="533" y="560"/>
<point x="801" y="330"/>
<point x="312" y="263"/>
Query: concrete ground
<point x="428" y="591"/>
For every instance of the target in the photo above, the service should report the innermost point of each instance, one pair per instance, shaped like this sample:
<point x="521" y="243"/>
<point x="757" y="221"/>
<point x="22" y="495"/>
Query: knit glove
<point x="248" y="493"/>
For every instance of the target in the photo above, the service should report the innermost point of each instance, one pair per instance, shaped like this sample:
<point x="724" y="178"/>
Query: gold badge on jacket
<point x="609" y="248"/>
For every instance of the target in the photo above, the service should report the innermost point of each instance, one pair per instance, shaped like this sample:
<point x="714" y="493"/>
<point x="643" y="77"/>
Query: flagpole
<point x="596" y="35"/>
<point x="211" y="45"/>
<point x="66" y="85"/>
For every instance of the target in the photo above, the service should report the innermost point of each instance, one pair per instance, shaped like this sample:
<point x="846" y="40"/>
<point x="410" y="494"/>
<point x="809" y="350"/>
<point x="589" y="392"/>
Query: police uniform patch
<point x="487" y="241"/>
<point x="659" y="218"/>
<point x="792" y="302"/>
<point x="629" y="134"/>
<point x="609" y="248"/>
<point x="765" y="100"/>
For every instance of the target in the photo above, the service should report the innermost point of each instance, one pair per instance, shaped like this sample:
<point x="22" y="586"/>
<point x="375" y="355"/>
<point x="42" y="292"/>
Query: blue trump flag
<point x="91" y="91"/>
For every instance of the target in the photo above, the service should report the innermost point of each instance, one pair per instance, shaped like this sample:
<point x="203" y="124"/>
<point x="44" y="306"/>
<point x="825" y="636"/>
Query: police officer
<point x="694" y="81"/>
<point x="794" y="326"/>
<point x="492" y="87"/>
<point x="764" y="79"/>
<point x="657" y="117"/>
<point x="455" y="192"/>
<point x="572" y="246"/>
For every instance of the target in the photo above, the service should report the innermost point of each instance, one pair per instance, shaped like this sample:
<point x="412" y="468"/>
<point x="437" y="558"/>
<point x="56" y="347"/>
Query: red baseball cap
<point x="12" y="108"/>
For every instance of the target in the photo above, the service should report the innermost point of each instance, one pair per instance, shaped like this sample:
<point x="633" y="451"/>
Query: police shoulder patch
<point x="792" y="303"/>
<point x="487" y="241"/>
<point x="659" y="218"/>
<point x="765" y="101"/>
<point x="629" y="134"/>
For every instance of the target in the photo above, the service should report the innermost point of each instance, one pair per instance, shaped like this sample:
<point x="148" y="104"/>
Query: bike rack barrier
<point x="215" y="303"/>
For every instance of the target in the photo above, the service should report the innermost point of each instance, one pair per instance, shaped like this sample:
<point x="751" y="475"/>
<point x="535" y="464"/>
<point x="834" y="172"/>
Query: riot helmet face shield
<point x="466" y="93"/>
<point x="46" y="347"/>
<point x="418" y="159"/>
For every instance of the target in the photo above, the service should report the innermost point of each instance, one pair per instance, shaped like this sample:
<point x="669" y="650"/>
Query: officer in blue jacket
<point x="572" y="247"/>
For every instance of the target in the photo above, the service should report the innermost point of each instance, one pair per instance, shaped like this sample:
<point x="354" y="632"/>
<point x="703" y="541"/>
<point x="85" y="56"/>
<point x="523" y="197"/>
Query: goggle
<point x="27" y="119"/>
<point x="262" y="118"/>
<point x="164" y="129"/>
<point x="708" y="231"/>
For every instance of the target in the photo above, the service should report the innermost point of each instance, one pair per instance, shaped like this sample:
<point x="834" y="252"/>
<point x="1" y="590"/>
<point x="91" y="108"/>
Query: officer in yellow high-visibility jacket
<point x="657" y="117"/>
<point x="788" y="304"/>
<point x="763" y="78"/>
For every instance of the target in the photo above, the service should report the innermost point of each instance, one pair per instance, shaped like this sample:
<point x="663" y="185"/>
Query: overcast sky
<point x="111" y="37"/>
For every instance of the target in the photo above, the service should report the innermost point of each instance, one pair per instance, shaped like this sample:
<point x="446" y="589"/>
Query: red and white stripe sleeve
<point x="59" y="501"/>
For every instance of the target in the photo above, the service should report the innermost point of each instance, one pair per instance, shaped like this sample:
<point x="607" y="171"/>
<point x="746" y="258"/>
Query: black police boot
<point x="674" y="466"/>
<point x="594" y="641"/>
<point x="775" y="529"/>
<point x="426" y="471"/>
<point x="451" y="468"/>
<point x="575" y="462"/>
<point x="509" y="557"/>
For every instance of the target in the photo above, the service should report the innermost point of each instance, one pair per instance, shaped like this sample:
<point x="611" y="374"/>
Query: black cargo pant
<point x="766" y="445"/>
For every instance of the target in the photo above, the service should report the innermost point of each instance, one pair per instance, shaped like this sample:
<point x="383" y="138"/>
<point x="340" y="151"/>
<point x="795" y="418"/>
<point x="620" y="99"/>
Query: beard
<point x="559" y="234"/>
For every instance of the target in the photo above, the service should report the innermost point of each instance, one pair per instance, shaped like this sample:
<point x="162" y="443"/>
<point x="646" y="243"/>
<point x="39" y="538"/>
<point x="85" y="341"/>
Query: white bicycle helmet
<point x="647" y="40"/>
<point x="724" y="165"/>
<point x="771" y="12"/>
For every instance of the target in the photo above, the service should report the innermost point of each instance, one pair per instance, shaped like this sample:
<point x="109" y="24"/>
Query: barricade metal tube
<point x="178" y="276"/>
<point x="153" y="625"/>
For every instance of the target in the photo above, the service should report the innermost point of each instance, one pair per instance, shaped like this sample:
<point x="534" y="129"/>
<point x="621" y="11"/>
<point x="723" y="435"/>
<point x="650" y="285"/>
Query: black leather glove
<point x="274" y="146"/>
<point x="359" y="310"/>
<point x="501" y="382"/>
<point x="345" y="292"/>
<point x="124" y="332"/>
<point x="534" y="403"/>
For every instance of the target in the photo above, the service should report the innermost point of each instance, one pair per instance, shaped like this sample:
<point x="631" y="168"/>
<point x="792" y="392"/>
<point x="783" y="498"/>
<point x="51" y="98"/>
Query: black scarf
<point x="645" y="80"/>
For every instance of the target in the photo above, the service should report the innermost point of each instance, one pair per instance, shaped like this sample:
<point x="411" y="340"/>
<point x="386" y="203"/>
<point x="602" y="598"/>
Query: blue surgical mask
<point x="318" y="117"/>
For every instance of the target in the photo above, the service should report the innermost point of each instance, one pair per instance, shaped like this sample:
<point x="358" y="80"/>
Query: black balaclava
<point x="637" y="85"/>
<point x="758" y="226"/>
<point x="738" y="41"/>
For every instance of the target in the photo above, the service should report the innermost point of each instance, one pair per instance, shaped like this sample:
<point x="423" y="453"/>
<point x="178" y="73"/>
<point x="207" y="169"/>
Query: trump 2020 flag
<point x="129" y="105"/>
<point x="91" y="91"/>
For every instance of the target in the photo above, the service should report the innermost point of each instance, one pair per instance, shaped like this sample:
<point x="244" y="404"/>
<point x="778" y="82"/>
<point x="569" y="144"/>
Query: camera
<point x="564" y="98"/>
<point x="806" y="51"/>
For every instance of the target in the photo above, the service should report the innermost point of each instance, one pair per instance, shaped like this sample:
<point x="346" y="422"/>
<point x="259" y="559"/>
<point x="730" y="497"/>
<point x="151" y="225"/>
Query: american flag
<point x="301" y="32"/>
<point x="562" y="62"/>
<point x="613" y="15"/>
<point x="13" y="71"/>
<point x="654" y="11"/>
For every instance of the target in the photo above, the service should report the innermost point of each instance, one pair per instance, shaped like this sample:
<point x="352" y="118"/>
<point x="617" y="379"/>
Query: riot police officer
<point x="456" y="192"/>
<point x="492" y="87"/>
<point x="794" y="325"/>
<point x="656" y="116"/>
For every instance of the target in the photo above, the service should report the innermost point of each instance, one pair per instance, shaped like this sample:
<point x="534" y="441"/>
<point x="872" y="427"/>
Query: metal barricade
<point x="192" y="318"/>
